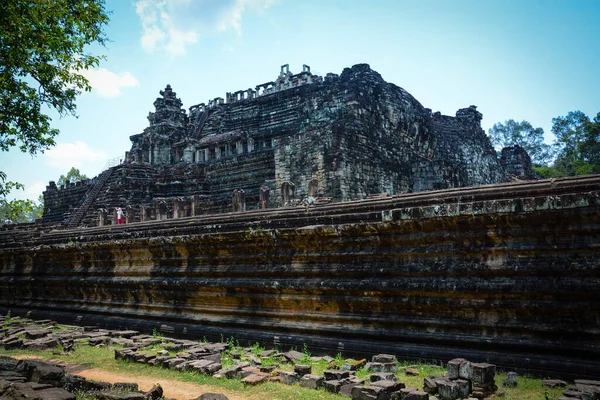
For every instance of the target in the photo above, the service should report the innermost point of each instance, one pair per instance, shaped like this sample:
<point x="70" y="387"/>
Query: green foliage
<point x="43" y="48"/>
<point x="523" y="134"/>
<point x="18" y="211"/>
<point x="577" y="143"/>
<point x="74" y="175"/>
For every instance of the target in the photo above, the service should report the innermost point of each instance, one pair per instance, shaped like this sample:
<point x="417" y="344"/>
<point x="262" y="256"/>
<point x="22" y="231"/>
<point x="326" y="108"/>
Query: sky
<point x="514" y="59"/>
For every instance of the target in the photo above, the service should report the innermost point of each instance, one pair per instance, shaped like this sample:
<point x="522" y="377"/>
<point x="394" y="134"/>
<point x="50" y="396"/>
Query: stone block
<point x="415" y="395"/>
<point x="255" y="378"/>
<point x="464" y="388"/>
<point x="332" y="386"/>
<point x="554" y="383"/>
<point x="389" y="386"/>
<point x="382" y="376"/>
<point x="483" y="373"/>
<point x="311" y="381"/>
<point x="302" y="370"/>
<point x="289" y="378"/>
<point x="334" y="374"/>
<point x="510" y="379"/>
<point x="383" y="358"/>
<point x="368" y="393"/>
<point x="448" y="390"/>
<point x="346" y="388"/>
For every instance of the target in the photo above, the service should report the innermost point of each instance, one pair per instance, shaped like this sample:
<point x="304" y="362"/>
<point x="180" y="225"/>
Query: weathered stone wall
<point x="506" y="274"/>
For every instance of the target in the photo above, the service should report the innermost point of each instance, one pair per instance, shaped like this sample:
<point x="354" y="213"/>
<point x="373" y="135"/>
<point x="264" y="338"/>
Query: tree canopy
<point x="578" y="144"/>
<point x="523" y="134"/>
<point x="575" y="151"/>
<point x="72" y="176"/>
<point x="43" y="47"/>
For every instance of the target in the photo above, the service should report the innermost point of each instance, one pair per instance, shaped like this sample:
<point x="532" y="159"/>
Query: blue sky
<point x="525" y="59"/>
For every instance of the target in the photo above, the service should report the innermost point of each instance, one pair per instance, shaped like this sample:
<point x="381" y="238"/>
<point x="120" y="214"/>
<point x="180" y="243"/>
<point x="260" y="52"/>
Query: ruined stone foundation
<point x="506" y="274"/>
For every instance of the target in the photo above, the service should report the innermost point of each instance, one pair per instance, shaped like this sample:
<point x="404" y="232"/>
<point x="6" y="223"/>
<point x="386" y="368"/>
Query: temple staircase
<point x="199" y="123"/>
<point x="85" y="203"/>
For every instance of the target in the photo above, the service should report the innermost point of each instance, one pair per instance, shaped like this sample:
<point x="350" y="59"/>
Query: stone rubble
<point x="45" y="381"/>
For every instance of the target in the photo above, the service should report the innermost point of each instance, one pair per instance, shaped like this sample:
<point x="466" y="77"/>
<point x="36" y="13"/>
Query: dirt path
<point x="172" y="388"/>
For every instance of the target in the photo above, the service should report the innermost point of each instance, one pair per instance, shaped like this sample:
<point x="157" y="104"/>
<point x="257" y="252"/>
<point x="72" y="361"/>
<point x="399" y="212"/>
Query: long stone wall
<point x="503" y="273"/>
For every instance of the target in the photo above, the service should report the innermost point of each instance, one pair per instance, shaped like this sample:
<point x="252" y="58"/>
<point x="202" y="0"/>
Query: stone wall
<point x="505" y="274"/>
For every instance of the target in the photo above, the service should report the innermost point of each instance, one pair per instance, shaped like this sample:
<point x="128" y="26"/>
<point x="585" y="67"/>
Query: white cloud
<point x="172" y="25"/>
<point x="33" y="191"/>
<point x="67" y="155"/>
<point x="107" y="83"/>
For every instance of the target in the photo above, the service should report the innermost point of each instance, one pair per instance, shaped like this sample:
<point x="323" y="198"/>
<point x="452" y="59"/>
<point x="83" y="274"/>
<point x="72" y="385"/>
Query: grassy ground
<point x="103" y="358"/>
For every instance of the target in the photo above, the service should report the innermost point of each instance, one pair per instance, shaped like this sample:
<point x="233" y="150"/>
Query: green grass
<point x="103" y="358"/>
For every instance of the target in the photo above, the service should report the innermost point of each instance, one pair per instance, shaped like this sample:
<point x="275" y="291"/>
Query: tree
<point x="43" y="47"/>
<point x="572" y="143"/>
<point x="523" y="134"/>
<point x="590" y="147"/>
<point x="72" y="176"/>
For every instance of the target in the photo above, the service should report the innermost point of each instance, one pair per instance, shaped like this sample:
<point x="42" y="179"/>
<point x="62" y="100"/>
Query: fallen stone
<point x="483" y="373"/>
<point x="333" y="374"/>
<point x="212" y="396"/>
<point x="302" y="370"/>
<point x="39" y="371"/>
<point x="293" y="356"/>
<point x="289" y="378"/>
<point x="255" y="378"/>
<point x="510" y="379"/>
<point x="126" y="386"/>
<point x="116" y="395"/>
<point x="382" y="376"/>
<point x="74" y="383"/>
<point x="36" y="333"/>
<point x="383" y="358"/>
<point x="332" y="386"/>
<point x="368" y="393"/>
<point x="587" y="382"/>
<point x="311" y="381"/>
<point x="155" y="393"/>
<point x="354" y="365"/>
<point x="412" y="371"/>
<point x="389" y="386"/>
<point x="41" y="344"/>
<point x="554" y="383"/>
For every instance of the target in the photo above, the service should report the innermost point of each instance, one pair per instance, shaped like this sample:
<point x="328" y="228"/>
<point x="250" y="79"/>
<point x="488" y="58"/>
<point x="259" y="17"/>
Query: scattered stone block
<point x="302" y="370"/>
<point x="334" y="374"/>
<point x="293" y="356"/>
<point x="289" y="378"/>
<point x="332" y="386"/>
<point x="311" y="381"/>
<point x="389" y="386"/>
<point x="117" y="395"/>
<point x="554" y="383"/>
<point x="412" y="371"/>
<point x="368" y="393"/>
<point x="255" y="378"/>
<point x="510" y="379"/>
<point x="448" y="390"/>
<point x="384" y="358"/>
<point x="212" y="396"/>
<point x="382" y="376"/>
<point x="156" y="393"/>
<point x="354" y="365"/>
<point x="483" y="373"/>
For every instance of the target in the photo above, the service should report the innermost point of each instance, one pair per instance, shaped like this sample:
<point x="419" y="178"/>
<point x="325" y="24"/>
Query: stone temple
<point x="301" y="138"/>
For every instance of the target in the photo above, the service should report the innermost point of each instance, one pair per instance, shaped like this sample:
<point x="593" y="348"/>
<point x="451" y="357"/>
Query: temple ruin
<point x="301" y="137"/>
<point x="335" y="212"/>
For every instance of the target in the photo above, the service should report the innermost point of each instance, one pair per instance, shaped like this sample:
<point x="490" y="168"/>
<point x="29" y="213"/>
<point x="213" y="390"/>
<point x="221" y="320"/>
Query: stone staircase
<point x="199" y="123"/>
<point x="85" y="203"/>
